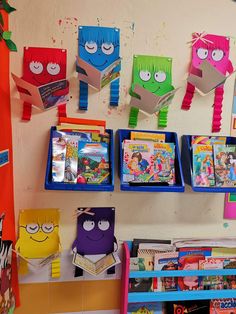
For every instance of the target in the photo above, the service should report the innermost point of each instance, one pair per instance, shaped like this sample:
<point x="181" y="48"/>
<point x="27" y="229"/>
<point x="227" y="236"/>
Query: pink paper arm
<point x="216" y="121"/>
<point x="230" y="68"/>
<point x="188" y="97"/>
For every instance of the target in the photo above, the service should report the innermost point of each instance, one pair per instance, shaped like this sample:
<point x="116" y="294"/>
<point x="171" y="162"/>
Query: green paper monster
<point x="154" y="74"/>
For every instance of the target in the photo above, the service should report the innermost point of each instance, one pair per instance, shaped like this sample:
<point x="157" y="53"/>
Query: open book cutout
<point x="45" y="96"/>
<point x="206" y="78"/>
<point x="98" y="267"/>
<point x="95" y="78"/>
<point x="150" y="103"/>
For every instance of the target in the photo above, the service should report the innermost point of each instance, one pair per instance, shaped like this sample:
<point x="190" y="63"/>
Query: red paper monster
<point x="43" y="66"/>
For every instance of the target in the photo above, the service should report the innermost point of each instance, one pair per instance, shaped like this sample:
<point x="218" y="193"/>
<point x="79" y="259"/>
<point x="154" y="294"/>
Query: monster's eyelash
<point x="83" y="45"/>
<point x="107" y="48"/>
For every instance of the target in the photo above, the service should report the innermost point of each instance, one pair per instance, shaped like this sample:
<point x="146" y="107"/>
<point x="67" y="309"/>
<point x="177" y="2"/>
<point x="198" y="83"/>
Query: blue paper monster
<point x="95" y="233"/>
<point x="99" y="47"/>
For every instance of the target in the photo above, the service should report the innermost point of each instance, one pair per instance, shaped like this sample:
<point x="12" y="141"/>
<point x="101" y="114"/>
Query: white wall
<point x="155" y="27"/>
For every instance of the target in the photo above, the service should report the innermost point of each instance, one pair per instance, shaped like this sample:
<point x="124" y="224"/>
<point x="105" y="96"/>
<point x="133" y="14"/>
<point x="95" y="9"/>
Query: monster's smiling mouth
<point x="97" y="65"/>
<point x="96" y="239"/>
<point x="152" y="91"/>
<point x="38" y="240"/>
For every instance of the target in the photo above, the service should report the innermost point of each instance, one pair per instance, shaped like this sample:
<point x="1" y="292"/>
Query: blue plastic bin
<point x="187" y="166"/>
<point x="171" y="137"/>
<point x="49" y="185"/>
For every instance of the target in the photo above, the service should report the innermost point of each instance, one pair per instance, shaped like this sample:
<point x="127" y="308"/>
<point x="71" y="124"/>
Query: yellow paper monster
<point x="39" y="237"/>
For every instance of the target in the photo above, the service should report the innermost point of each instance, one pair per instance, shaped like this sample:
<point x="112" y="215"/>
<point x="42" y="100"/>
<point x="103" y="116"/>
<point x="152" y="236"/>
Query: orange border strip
<point x="6" y="172"/>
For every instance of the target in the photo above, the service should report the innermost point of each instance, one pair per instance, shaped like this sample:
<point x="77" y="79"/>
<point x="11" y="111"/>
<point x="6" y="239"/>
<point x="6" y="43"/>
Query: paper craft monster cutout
<point x="95" y="233"/>
<point x="7" y="298"/>
<point x="209" y="65"/>
<point x="43" y="83"/>
<point x="98" y="63"/>
<point x="39" y="238"/>
<point x="151" y="89"/>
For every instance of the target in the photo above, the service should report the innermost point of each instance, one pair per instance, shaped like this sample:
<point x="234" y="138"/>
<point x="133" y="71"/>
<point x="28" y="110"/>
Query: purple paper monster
<point x="95" y="233"/>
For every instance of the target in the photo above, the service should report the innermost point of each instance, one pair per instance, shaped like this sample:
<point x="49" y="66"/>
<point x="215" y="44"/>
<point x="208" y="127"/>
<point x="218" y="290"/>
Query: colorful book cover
<point x="203" y="166"/>
<point x="223" y="306"/>
<point x="141" y="285"/>
<point x="141" y="263"/>
<point x="58" y="157"/>
<point x="93" y="163"/>
<point x="189" y="260"/>
<point x="71" y="163"/>
<point x="145" y="308"/>
<point x="164" y="163"/>
<point x="230" y="281"/>
<point x="211" y="282"/>
<point x="225" y="165"/>
<point x="208" y="140"/>
<point x="146" y="136"/>
<point x="137" y="161"/>
<point x="167" y="261"/>
<point x="187" y="307"/>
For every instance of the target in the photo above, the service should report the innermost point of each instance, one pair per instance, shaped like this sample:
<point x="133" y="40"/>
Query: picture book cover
<point x="93" y="165"/>
<point x="164" y="163"/>
<point x="211" y="282"/>
<point x="229" y="281"/>
<point x="189" y="260"/>
<point x="71" y="162"/>
<point x="137" y="242"/>
<point x="167" y="261"/>
<point x="146" y="136"/>
<point x="141" y="263"/>
<point x="142" y="284"/>
<point x="208" y="140"/>
<point x="223" y="306"/>
<point x="225" y="165"/>
<point x="145" y="308"/>
<point x="190" y="307"/>
<point x="137" y="161"/>
<point x="58" y="156"/>
<point x="203" y="165"/>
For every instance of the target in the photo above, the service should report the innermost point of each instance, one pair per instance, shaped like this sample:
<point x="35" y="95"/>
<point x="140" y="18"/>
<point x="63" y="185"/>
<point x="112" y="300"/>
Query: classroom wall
<point x="154" y="27"/>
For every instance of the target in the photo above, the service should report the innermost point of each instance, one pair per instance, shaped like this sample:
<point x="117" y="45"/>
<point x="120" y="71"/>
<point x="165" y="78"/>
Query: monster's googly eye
<point x="160" y="76"/>
<point x="36" y="67"/>
<point x="53" y="68"/>
<point x="32" y="228"/>
<point x="145" y="75"/>
<point x="103" y="225"/>
<point x="107" y="48"/>
<point x="47" y="227"/>
<point x="202" y="53"/>
<point x="91" y="47"/>
<point x="217" y="54"/>
<point x="88" y="225"/>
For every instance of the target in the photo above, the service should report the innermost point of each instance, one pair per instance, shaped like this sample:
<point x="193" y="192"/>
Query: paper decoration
<point x="4" y="157"/>
<point x="39" y="238"/>
<point x="6" y="35"/>
<point x="7" y="299"/>
<point x="43" y="83"/>
<point x="98" y="62"/>
<point x="209" y="65"/>
<point x="151" y="90"/>
<point x="95" y="234"/>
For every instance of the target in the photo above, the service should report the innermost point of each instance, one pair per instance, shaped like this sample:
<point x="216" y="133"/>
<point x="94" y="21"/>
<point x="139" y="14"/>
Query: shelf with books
<point x="188" y="168"/>
<point x="132" y="297"/>
<point x="103" y="187"/>
<point x="170" y="138"/>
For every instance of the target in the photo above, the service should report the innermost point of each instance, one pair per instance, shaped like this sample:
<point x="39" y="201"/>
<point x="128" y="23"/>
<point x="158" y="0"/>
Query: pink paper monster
<point x="215" y="50"/>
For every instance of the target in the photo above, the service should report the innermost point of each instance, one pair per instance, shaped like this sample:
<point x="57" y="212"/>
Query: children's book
<point x="225" y="165"/>
<point x="146" y="136"/>
<point x="223" y="306"/>
<point x="189" y="260"/>
<point x="58" y="156"/>
<point x="230" y="281"/>
<point x="167" y="261"/>
<point x="164" y="163"/>
<point x="203" y="166"/>
<point x="145" y="308"/>
<point x="71" y="163"/>
<point x="137" y="243"/>
<point x="94" y="162"/>
<point x="142" y="284"/>
<point x="208" y="140"/>
<point x="137" y="161"/>
<point x="187" y="307"/>
<point x="211" y="282"/>
<point x="141" y="263"/>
